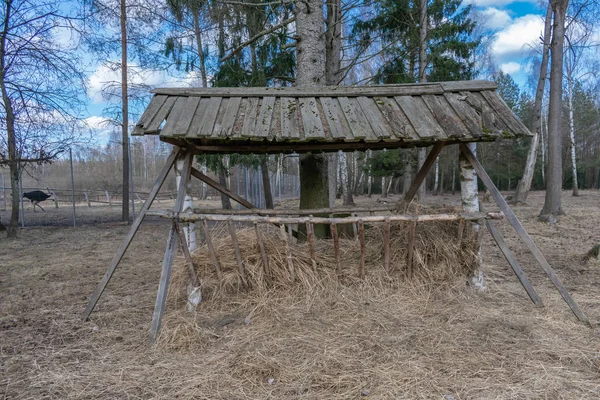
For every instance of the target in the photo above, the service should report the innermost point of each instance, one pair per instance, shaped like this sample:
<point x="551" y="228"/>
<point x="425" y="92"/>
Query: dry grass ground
<point x="376" y="340"/>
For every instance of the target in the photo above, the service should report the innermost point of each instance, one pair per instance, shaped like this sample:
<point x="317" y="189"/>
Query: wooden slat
<point x="263" y="253"/>
<point x="174" y="117"/>
<point x="363" y="250"/>
<point x="211" y="249"/>
<point x="516" y="224"/>
<point x="186" y="116"/>
<point x="313" y="127"/>
<point x="514" y="264"/>
<point x="198" y="119"/>
<point x="422" y="173"/>
<point x="358" y="124"/>
<point x="336" y="249"/>
<point x="333" y="116"/>
<point x="216" y="185"/>
<point x="225" y="127"/>
<point x="288" y="252"/>
<point x="504" y="112"/>
<point x="250" y="118"/>
<point x="457" y="86"/>
<point x="210" y="116"/>
<point x="375" y="117"/>
<point x="466" y="113"/>
<point x="263" y="123"/>
<point x="410" y="249"/>
<point x="446" y="117"/>
<point x="401" y="126"/>
<point x="491" y="123"/>
<point x="310" y="230"/>
<point x="238" y="254"/>
<point x="289" y="118"/>
<point x="420" y="117"/>
<point x="152" y="109"/>
<point x="386" y="244"/>
<point x="159" y="117"/>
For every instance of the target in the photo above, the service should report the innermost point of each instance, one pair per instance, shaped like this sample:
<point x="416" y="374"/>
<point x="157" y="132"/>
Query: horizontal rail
<point x="191" y="217"/>
<point x="314" y="211"/>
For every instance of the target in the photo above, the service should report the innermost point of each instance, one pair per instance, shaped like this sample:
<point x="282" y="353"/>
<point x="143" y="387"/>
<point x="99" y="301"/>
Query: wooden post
<point x="386" y="244"/>
<point x="336" y="249"/>
<point x="165" y="275"/>
<point x="211" y="249"/>
<point x="107" y="197"/>
<point x="87" y="198"/>
<point x="238" y="255"/>
<point x="435" y="151"/>
<point x="516" y="224"/>
<point x="361" y="234"/>
<point x="288" y="252"/>
<point x="410" y="249"/>
<point x="127" y="241"/>
<point x="192" y="270"/>
<point x="263" y="253"/>
<point x="512" y="261"/>
<point x="461" y="231"/>
<point x="311" y="244"/>
<point x="55" y="198"/>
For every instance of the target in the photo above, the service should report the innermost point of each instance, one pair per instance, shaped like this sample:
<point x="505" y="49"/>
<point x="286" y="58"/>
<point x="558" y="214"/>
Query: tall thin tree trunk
<point x="369" y="175"/>
<point x="524" y="185"/>
<point x="423" y="25"/>
<point x="225" y="202"/>
<point x="125" y="113"/>
<point x="198" y="34"/>
<point x="264" y="168"/>
<point x="552" y="202"/>
<point x="572" y="135"/>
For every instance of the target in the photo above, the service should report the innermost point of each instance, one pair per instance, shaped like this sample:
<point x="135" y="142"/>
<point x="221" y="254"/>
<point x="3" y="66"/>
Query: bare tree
<point x="552" y="202"/>
<point x="41" y="84"/>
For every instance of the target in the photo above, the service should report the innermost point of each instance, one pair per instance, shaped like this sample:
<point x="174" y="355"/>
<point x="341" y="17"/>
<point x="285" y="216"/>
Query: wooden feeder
<point x="324" y="119"/>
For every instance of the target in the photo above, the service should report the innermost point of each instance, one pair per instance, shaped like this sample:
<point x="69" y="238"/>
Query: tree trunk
<point x="524" y="185"/>
<point x="407" y="174"/>
<point x="310" y="52"/>
<point x="225" y="201"/>
<point x="198" y="35"/>
<point x="346" y="179"/>
<point x="436" y="181"/>
<point x="125" y="113"/>
<point x="470" y="203"/>
<point x="264" y="168"/>
<point x="552" y="203"/>
<point x="421" y="156"/>
<point x="572" y="136"/>
<point x="369" y="176"/>
<point x="332" y="169"/>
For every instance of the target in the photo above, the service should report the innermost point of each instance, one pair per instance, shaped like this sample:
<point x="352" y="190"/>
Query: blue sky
<point x="513" y="25"/>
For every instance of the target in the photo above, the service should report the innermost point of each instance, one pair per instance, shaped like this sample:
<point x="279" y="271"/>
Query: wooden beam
<point x="192" y="270"/>
<point x="167" y="265"/>
<point x="516" y="224"/>
<point x="216" y="185"/>
<point x="514" y="264"/>
<point x="410" y="249"/>
<point x="132" y="231"/>
<point x="363" y="250"/>
<point x="429" y="161"/>
<point x="386" y="244"/>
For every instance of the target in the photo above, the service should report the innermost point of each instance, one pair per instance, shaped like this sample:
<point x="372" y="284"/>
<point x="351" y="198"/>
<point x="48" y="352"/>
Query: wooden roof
<point x="329" y="118"/>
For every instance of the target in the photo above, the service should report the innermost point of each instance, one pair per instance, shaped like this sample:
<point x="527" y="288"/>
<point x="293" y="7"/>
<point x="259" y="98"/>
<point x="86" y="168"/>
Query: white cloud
<point x="494" y="18"/>
<point x="99" y="125"/>
<point x="514" y="37"/>
<point x="510" y="67"/>
<point x="495" y="3"/>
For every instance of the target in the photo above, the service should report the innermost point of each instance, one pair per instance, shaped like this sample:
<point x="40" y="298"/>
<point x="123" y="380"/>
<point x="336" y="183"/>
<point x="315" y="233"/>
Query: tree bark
<point x="572" y="135"/>
<point x="552" y="203"/>
<point x="198" y="35"/>
<point x="310" y="56"/>
<point x="125" y="113"/>
<point x="264" y="169"/>
<point x="225" y="202"/>
<point x="470" y="203"/>
<point x="524" y="185"/>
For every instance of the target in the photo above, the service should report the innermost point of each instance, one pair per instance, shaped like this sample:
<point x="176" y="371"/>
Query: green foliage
<point x="449" y="43"/>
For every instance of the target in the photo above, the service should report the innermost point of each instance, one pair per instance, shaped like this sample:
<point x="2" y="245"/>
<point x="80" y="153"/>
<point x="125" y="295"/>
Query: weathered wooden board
<point x="263" y="123"/>
<point x="358" y="124"/>
<point x="420" y="117"/>
<point x="159" y="117"/>
<point x="198" y="119"/>
<point x="210" y="116"/>
<point x="188" y="110"/>
<point x="250" y="118"/>
<point x="174" y="117"/>
<point x="224" y="127"/>
<point x="466" y="113"/>
<point x="401" y="127"/>
<point x="333" y="116"/>
<point x="311" y="120"/>
<point x="152" y="109"/>
<point x="289" y="118"/>
<point x="445" y="116"/>
<point x="375" y="118"/>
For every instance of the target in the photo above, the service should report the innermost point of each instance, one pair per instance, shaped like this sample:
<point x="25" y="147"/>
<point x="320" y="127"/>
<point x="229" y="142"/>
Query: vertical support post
<point x="386" y="244"/>
<point x="107" y="198"/>
<point x="516" y="224"/>
<point x="311" y="243"/>
<point x="131" y="187"/>
<point x="127" y="241"/>
<point x="87" y="198"/>
<point x="336" y="249"/>
<point x="55" y="198"/>
<point x="361" y="234"/>
<point x="21" y="196"/>
<point x="411" y="248"/>
<point x="165" y="275"/>
<point x="189" y="228"/>
<point x="288" y="252"/>
<point x="72" y="187"/>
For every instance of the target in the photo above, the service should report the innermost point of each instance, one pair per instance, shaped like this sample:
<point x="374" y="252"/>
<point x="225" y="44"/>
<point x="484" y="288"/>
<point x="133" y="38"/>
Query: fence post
<point x="55" y="197"/>
<point x="87" y="198"/>
<point x="107" y="197"/>
<point x="72" y="186"/>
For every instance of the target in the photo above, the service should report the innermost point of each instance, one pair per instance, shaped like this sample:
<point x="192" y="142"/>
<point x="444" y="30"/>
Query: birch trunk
<point x="552" y="202"/>
<point x="125" y="114"/>
<point x="470" y="204"/>
<point x="524" y="185"/>
<point x="572" y="136"/>
<point x="369" y="176"/>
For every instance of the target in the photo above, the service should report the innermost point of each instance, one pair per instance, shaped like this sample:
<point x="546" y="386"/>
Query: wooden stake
<point x="132" y="231"/>
<point x="386" y="244"/>
<point x="336" y="249"/>
<point x="238" y="255"/>
<point x="516" y="224"/>
<point x="165" y="275"/>
<point x="512" y="261"/>
<point x="288" y="252"/>
<point x="311" y="244"/>
<point x="263" y="253"/>
<point x="361" y="234"/>
<point x="87" y="199"/>
<point x="461" y="231"/>
<point x="211" y="249"/>
<point x="410" y="250"/>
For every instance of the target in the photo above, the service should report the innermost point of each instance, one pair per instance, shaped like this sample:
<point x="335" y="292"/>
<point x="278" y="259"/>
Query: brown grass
<point x="376" y="339"/>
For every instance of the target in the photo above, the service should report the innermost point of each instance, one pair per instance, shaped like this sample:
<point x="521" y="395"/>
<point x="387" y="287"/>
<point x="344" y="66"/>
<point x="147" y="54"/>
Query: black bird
<point x="36" y="197"/>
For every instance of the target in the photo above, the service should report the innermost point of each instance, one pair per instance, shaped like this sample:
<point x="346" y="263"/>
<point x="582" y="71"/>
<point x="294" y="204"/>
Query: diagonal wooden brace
<point x="429" y="161"/>
<point x="516" y="224"/>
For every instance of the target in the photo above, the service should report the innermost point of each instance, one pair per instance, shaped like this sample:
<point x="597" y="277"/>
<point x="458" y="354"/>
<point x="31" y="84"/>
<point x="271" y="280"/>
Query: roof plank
<point x="159" y="117"/>
<point x="445" y="115"/>
<point x="289" y="119"/>
<point x="467" y="114"/>
<point x="153" y="108"/>
<point x="420" y="117"/>
<point x="174" y="117"/>
<point x="375" y="117"/>
<point x="250" y="118"/>
<point x="198" y="119"/>
<point x="224" y="128"/>
<point x="401" y="126"/>
<point x="263" y="124"/>
<point x="185" y="117"/>
<point x="333" y="116"/>
<point x="311" y="120"/>
<point x="358" y="124"/>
